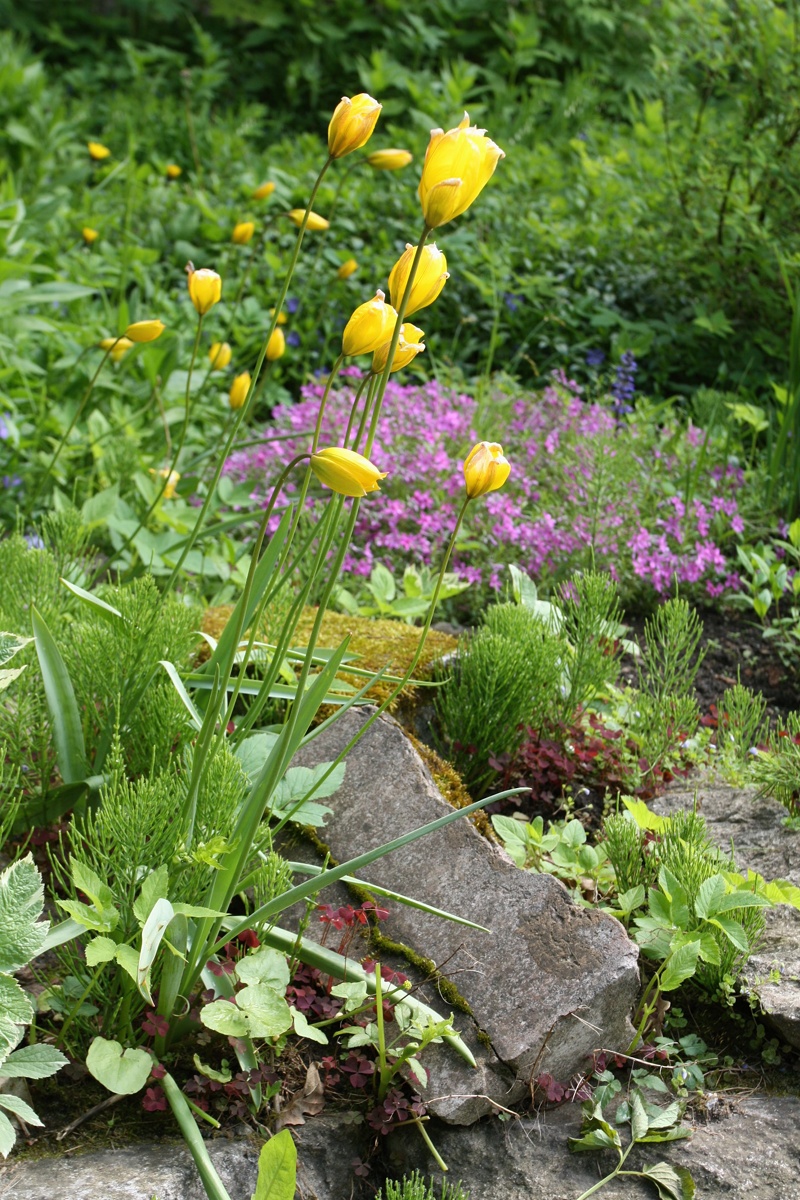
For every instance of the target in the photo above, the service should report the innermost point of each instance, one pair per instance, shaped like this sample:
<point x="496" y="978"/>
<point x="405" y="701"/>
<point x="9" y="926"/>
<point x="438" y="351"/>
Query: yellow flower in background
<point x="409" y="345"/>
<point x="485" y="469"/>
<point x="205" y="289"/>
<point x="97" y="151"/>
<point x="145" y="331"/>
<point x="430" y="278"/>
<point x="370" y="326"/>
<point x="263" y="191"/>
<point x="352" y="123"/>
<point x="316" y="223"/>
<point x="389" y="160"/>
<point x="282" y="318"/>
<point x="347" y="269"/>
<point x="174" y="171"/>
<point x="118" y="347"/>
<point x="242" y="232"/>
<point x="220" y="355"/>
<point x="239" y="389"/>
<point x="89" y="235"/>
<point x="172" y="478"/>
<point x="458" y="165"/>
<point x="276" y="346"/>
<point x="345" y="471"/>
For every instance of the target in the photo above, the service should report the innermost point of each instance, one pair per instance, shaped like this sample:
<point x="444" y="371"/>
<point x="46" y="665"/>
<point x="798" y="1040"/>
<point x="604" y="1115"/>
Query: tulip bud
<point x="409" y="345"/>
<point x="239" y="389"/>
<point x="458" y="165"/>
<point x="263" y="191"/>
<point x="370" y="327"/>
<point x="352" y="124"/>
<point x="276" y="346"/>
<point x="485" y="469"/>
<point x="315" y="222"/>
<point x="347" y="269"/>
<point x="117" y="347"/>
<point x="345" y="471"/>
<point x="172" y="478"/>
<point x="282" y="317"/>
<point x="205" y="289"/>
<point x="242" y="232"/>
<point x="389" y="160"/>
<point x="174" y="171"/>
<point x="145" y="331"/>
<point x="429" y="279"/>
<point x="89" y="235"/>
<point x="219" y="356"/>
<point x="97" y="151"/>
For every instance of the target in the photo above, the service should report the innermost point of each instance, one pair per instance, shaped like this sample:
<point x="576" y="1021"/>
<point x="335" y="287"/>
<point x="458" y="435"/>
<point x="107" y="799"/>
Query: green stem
<point x="607" y="1178"/>
<point x="373" y="383"/>
<point x="215" y="1189"/>
<point x="60" y="1040"/>
<point x="245" y="409"/>
<point x="441" y="1164"/>
<point x="384" y="1068"/>
<point x="321" y="240"/>
<point x="72" y="424"/>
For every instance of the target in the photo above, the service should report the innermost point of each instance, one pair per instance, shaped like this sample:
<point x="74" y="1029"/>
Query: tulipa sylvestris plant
<point x="178" y="944"/>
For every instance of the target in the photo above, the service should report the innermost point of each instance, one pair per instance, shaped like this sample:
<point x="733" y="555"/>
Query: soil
<point x="736" y="651"/>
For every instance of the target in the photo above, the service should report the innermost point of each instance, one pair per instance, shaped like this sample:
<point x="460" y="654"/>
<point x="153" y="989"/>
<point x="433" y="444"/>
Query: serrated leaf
<point x="8" y="1136"/>
<point x="733" y="932"/>
<point x="595" y="1139"/>
<point x="629" y="901"/>
<point x="668" y="1135"/>
<point x="672" y="1183"/>
<point x="22" y="934"/>
<point x="681" y="966"/>
<point x="709" y="895"/>
<point x="639" y="1122"/>
<point x="100" y="950"/>
<point x="253" y="753"/>
<point x="17" y="1106"/>
<point x="742" y="899"/>
<point x="155" y="886"/>
<point x="303" y="781"/>
<point x="679" y="903"/>
<point x="33" y="1062"/>
<point x="124" y="1072"/>
<point x="128" y="959"/>
<point x="642" y="815"/>
<point x="665" y="1117"/>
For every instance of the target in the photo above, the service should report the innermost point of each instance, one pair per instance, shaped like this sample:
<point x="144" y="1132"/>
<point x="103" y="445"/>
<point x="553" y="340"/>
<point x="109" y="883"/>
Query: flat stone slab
<point x="547" y="985"/>
<point x="754" y="826"/>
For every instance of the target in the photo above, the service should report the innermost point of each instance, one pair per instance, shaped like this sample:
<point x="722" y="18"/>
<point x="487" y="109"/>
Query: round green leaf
<point x="123" y="1072"/>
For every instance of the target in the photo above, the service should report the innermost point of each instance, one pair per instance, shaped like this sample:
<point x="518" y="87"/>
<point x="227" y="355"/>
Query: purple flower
<point x="512" y="300"/>
<point x="292" y="304"/>
<point x="623" y="388"/>
<point x="595" y="358"/>
<point x="12" y="481"/>
<point x="5" y="432"/>
<point x="34" y="541"/>
<point x="293" y="338"/>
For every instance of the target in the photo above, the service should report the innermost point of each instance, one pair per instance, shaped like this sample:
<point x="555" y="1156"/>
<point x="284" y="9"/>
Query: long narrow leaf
<point x="61" y="704"/>
<point x="100" y="606"/>
<point x="178" y="684"/>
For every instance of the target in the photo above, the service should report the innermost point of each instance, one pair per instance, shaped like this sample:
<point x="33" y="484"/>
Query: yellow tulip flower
<point x="345" y="471"/>
<point x="263" y="191"/>
<point x="370" y="327"/>
<point x="458" y="165"/>
<point x="239" y="389"/>
<point x="352" y="124"/>
<point x="315" y="223"/>
<point x="282" y="317"/>
<point x="242" y="232"/>
<point x="347" y="269"/>
<point x="145" y="331"/>
<point x="276" y="346"/>
<point x="90" y="235"/>
<point x="205" y="289"/>
<point x="173" y="171"/>
<point x="220" y="355"/>
<point x="409" y="345"/>
<point x="118" y="347"/>
<point x="389" y="160"/>
<point x="485" y="469"/>
<point x="172" y="478"/>
<point x="97" y="151"/>
<point x="430" y="278"/>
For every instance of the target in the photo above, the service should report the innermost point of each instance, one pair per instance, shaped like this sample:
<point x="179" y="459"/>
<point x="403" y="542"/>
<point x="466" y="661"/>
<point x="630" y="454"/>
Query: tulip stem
<point x="384" y="377"/>
<point x="321" y="240"/>
<point x="72" y="424"/>
<point x="368" y="379"/>
<point x="248" y="403"/>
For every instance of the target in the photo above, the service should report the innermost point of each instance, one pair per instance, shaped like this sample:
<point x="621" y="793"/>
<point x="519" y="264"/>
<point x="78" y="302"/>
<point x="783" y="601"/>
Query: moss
<point x="377" y="643"/>
<point x="451" y="785"/>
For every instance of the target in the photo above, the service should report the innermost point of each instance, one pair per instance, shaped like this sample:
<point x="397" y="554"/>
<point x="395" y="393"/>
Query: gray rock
<point x="753" y="826"/>
<point x="751" y="1154"/>
<point x="136" y="1173"/>
<point x="548" y="984"/>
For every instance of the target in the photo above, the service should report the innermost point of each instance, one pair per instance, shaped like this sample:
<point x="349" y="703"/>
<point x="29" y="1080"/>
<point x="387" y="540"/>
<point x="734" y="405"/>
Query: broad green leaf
<point x="11" y="644"/>
<point x="679" y="903"/>
<point x="510" y="830"/>
<point x="660" y="906"/>
<point x="595" y="1139"/>
<point x="709" y="895"/>
<point x="353" y="994"/>
<point x="672" y="1183"/>
<point x="100" y="950"/>
<point x="302" y="781"/>
<point x="666" y="1117"/>
<point x="33" y="1062"/>
<point x="8" y="1136"/>
<point x="733" y="932"/>
<point x="22" y="934"/>
<point x="254" y="751"/>
<point x="681" y="966"/>
<point x="634" y="898"/>
<point x="277" y="1168"/>
<point x="98" y="508"/>
<point x="128" y="959"/>
<point x="225" y="1018"/>
<point x="642" y="815"/>
<point x="8" y="676"/>
<point x="17" y="1106"/>
<point x="573" y="834"/>
<point x="265" y="966"/>
<point x="709" y="950"/>
<point x="742" y="899"/>
<point x="266" y="1010"/>
<point x="124" y="1072"/>
<point x="639" y="1122"/>
<point x="61" y="704"/>
<point x="303" y="1029"/>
